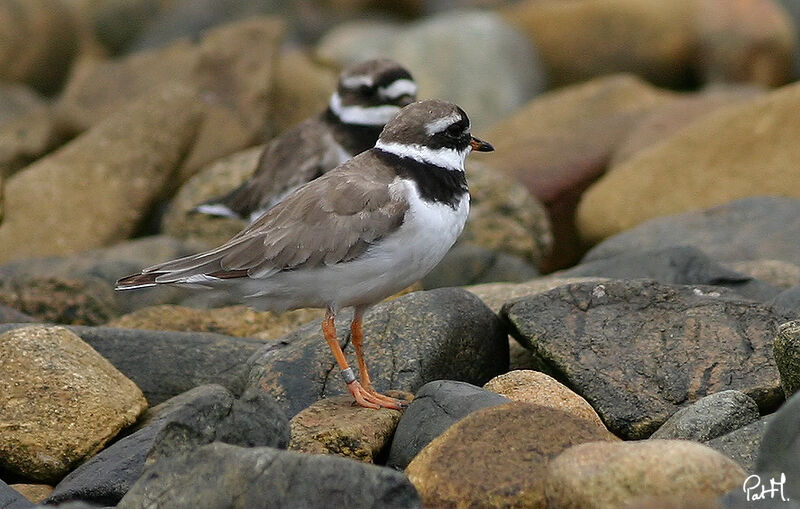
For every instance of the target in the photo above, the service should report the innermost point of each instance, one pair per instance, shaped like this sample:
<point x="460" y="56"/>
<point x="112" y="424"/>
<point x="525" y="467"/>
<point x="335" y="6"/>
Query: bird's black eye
<point x="454" y="131"/>
<point x="366" y="90"/>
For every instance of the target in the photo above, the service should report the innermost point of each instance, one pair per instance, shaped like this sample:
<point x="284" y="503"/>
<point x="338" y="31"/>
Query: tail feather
<point x="134" y="281"/>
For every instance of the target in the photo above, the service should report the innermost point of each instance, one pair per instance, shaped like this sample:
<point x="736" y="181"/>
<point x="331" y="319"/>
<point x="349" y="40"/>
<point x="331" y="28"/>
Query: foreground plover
<point x="352" y="237"/>
<point x="368" y="95"/>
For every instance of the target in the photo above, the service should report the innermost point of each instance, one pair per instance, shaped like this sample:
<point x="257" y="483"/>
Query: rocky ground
<point x="619" y="326"/>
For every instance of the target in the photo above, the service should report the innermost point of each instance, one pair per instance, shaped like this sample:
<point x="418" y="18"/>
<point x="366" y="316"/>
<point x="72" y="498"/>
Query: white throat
<point x="362" y="115"/>
<point x="447" y="158"/>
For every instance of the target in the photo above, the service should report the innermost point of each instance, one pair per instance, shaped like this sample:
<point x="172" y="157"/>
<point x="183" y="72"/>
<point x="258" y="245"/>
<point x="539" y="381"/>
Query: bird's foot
<point x="370" y="398"/>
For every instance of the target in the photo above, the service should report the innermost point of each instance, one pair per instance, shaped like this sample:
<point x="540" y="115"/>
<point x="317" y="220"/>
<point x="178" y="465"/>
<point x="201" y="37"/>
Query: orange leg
<point x="357" y="337"/>
<point x="362" y="396"/>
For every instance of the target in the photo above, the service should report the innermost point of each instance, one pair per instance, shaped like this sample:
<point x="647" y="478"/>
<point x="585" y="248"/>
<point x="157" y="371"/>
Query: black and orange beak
<point x="480" y="145"/>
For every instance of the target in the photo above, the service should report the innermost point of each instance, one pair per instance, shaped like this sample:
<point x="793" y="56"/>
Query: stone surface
<point x="477" y="462"/>
<point x="11" y="315"/>
<point x="12" y="499"/>
<point x="710" y="417"/>
<point x="336" y="426"/>
<point x="132" y="153"/>
<point x="436" y="407"/>
<point x="33" y="492"/>
<point x="745" y="229"/>
<point x="579" y="40"/>
<point x="535" y="387"/>
<point x="222" y="475"/>
<point x="301" y="88"/>
<point x="60" y="400"/>
<point x="743" y="444"/>
<point x="638" y="350"/>
<point x="745" y="41"/>
<point x="684" y="265"/>
<point x="787" y="302"/>
<point x="495" y="295"/>
<point x="786" y="349"/>
<point x="468" y="264"/>
<point x="438" y="334"/>
<point x="606" y="475"/>
<point x="708" y="163"/>
<point x="27" y="127"/>
<point x="778" y="273"/>
<point x="780" y="447"/>
<point x="87" y="301"/>
<point x="239" y="321"/>
<point x="559" y="143"/>
<point x="115" y="23"/>
<point x="164" y="364"/>
<point x="230" y="70"/>
<point x="205" y="414"/>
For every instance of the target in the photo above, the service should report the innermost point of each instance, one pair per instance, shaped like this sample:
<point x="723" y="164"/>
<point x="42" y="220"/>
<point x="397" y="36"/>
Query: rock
<point x="710" y="417"/>
<point x="468" y="264"/>
<point x="580" y="40"/>
<point x="239" y="321"/>
<point x="792" y="8"/>
<point x="559" y="143"/>
<point x="210" y="182"/>
<point x="33" y="492"/>
<point x="12" y="499"/>
<point x="745" y="229"/>
<point x="745" y="41"/>
<point x="434" y="53"/>
<point x="41" y="39"/>
<point x="477" y="461"/>
<point x="685" y="501"/>
<point x="61" y="402"/>
<point x="436" y="406"/>
<point x="638" y="350"/>
<point x="132" y="153"/>
<point x="786" y="349"/>
<point x="423" y="336"/>
<point x="708" y="163"/>
<point x="684" y="265"/>
<point x="88" y="301"/>
<point x="27" y="129"/>
<point x="778" y="273"/>
<point x="602" y="475"/>
<point x="301" y="88"/>
<point x="505" y="217"/>
<point x="495" y="295"/>
<point x="780" y="448"/>
<point x="205" y="414"/>
<point x="663" y="120"/>
<point x="535" y="387"/>
<point x="11" y="315"/>
<point x="786" y="303"/>
<point x="164" y="364"/>
<point x="336" y="426"/>
<point x="230" y="71"/>
<point x="742" y="444"/>
<point x="115" y="23"/>
<point x="222" y="475"/>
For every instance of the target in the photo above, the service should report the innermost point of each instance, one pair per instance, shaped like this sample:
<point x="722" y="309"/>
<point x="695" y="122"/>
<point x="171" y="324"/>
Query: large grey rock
<point x="436" y="406"/>
<point x="11" y="498"/>
<point x="638" y="350"/>
<point x="165" y="364"/>
<point x="709" y="417"/>
<point x="206" y="414"/>
<point x="222" y="475"/>
<point x="742" y="445"/>
<point x="446" y="333"/>
<point x="468" y="264"/>
<point x="745" y="229"/>
<point x="780" y="449"/>
<point x="787" y="303"/>
<point x="683" y="265"/>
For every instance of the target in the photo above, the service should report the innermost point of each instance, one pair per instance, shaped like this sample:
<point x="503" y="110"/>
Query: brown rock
<point x="745" y="41"/>
<point x="98" y="188"/>
<point x="738" y="151"/>
<point x="559" y="143"/>
<point x="535" y="387"/>
<point x="87" y="301"/>
<point x="302" y="88"/>
<point x="27" y="128"/>
<point x="60" y="402"/>
<point x="604" y="475"/>
<point x="238" y="321"/>
<point x="497" y="456"/>
<point x="230" y="69"/>
<point x="337" y="426"/>
<point x="36" y="493"/>
<point x="779" y="273"/>
<point x="582" y="39"/>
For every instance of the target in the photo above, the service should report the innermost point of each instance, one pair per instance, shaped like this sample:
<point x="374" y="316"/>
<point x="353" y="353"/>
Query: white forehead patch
<point x="447" y="158"/>
<point x="354" y="82"/>
<point x="441" y="124"/>
<point x="398" y="88"/>
<point x="362" y="115"/>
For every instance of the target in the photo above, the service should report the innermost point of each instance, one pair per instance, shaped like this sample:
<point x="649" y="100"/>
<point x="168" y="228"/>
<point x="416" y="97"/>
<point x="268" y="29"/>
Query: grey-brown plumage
<point x="368" y="94"/>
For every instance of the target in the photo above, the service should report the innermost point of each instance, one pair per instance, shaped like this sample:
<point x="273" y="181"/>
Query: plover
<point x="367" y="96"/>
<point x="358" y="234"/>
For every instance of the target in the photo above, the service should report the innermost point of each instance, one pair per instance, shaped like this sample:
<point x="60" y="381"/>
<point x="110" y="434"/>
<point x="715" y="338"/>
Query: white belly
<point x="428" y="231"/>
